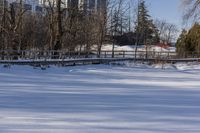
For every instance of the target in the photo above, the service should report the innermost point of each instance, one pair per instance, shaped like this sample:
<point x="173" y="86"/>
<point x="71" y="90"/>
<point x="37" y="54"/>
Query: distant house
<point x="163" y="45"/>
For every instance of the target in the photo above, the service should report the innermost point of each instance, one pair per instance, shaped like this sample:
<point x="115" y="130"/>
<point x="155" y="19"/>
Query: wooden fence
<point x="32" y="57"/>
<point x="62" y="55"/>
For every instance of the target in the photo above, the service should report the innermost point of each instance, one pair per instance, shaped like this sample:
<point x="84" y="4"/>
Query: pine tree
<point x="193" y="39"/>
<point x="189" y="42"/>
<point x="181" y="45"/>
<point x="145" y="29"/>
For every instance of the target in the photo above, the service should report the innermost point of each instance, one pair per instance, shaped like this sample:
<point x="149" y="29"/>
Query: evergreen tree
<point x="145" y="29"/>
<point x="181" y="45"/>
<point x="189" y="43"/>
<point x="193" y="39"/>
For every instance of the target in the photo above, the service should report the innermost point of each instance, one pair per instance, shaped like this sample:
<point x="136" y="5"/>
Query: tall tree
<point x="116" y="19"/>
<point x="181" y="44"/>
<point x="59" y="28"/>
<point x="145" y="29"/>
<point x="189" y="42"/>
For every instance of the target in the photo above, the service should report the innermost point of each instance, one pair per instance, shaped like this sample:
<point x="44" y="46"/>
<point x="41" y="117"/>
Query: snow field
<point x="100" y="99"/>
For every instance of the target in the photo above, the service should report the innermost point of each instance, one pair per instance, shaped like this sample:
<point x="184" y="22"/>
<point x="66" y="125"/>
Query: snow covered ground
<point x="100" y="99"/>
<point x="108" y="47"/>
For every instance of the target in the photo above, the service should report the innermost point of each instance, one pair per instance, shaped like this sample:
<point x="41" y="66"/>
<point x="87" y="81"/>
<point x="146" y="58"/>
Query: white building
<point x="36" y="5"/>
<point x="81" y="4"/>
<point x="31" y="4"/>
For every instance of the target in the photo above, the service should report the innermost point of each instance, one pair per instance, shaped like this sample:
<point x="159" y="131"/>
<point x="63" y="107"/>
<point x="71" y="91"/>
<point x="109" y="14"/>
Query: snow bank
<point x="190" y="66"/>
<point x="108" y="47"/>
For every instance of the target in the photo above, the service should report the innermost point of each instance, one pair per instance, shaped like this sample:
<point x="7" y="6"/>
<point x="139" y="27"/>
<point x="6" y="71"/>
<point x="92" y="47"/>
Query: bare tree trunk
<point x="59" y="32"/>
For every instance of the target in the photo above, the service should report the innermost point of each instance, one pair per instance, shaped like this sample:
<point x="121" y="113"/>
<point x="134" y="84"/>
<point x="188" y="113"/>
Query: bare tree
<point x="50" y="18"/>
<point x="117" y="12"/>
<point x="102" y="21"/>
<point x="55" y="27"/>
<point x="191" y="9"/>
<point x="59" y="28"/>
<point x="2" y="24"/>
<point x="167" y="31"/>
<point x="13" y="21"/>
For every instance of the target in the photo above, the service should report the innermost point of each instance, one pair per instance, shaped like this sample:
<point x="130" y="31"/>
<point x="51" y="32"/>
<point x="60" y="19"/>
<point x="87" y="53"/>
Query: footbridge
<point x="34" y="57"/>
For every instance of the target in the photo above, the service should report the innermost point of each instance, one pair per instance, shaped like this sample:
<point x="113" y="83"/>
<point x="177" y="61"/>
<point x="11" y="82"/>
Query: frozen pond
<point x="99" y="99"/>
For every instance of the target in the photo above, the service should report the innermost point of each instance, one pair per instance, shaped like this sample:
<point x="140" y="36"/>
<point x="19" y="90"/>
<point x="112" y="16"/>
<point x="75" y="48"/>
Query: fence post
<point x="123" y="54"/>
<point x="168" y="55"/>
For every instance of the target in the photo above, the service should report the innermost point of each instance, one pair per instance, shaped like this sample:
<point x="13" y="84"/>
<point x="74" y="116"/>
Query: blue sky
<point x="168" y="10"/>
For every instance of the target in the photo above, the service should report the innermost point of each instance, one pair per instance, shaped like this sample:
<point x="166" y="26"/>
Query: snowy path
<point x="99" y="99"/>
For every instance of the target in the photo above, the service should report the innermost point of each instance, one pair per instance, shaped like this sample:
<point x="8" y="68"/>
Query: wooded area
<point x="77" y="29"/>
<point x="54" y="28"/>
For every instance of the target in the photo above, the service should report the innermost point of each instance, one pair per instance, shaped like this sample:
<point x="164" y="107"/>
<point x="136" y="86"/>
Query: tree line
<point x="72" y="29"/>
<point x="55" y="28"/>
